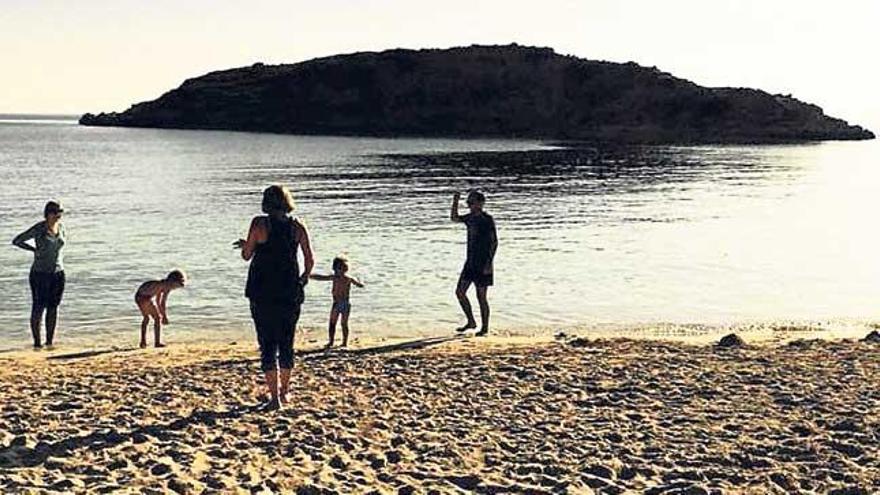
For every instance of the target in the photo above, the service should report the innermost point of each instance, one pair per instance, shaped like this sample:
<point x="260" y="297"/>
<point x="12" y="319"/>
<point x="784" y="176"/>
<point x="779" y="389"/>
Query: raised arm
<point x="21" y="239"/>
<point x="356" y="282"/>
<point x="454" y="213"/>
<point x="308" y="256"/>
<point x="318" y="276"/>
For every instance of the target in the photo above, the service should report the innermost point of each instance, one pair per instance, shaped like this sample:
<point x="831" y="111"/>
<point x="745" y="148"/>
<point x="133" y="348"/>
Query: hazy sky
<point x="65" y="56"/>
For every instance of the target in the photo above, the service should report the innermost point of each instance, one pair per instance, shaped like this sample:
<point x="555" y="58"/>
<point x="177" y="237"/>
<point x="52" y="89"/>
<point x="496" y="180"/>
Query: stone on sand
<point x="579" y="342"/>
<point x="731" y="340"/>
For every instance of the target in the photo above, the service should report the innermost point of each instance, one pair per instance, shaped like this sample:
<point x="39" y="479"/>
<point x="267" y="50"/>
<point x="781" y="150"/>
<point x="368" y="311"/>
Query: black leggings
<point x="47" y="289"/>
<point x="275" y="324"/>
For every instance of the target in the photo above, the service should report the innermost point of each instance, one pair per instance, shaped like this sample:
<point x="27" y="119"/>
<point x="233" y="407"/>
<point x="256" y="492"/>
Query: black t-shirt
<point x="481" y="237"/>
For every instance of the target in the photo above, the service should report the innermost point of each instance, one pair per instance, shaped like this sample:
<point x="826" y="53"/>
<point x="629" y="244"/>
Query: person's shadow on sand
<point x="409" y="345"/>
<point x="19" y="455"/>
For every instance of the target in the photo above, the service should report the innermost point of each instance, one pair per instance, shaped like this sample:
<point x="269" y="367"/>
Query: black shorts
<point x="480" y="279"/>
<point x="47" y="288"/>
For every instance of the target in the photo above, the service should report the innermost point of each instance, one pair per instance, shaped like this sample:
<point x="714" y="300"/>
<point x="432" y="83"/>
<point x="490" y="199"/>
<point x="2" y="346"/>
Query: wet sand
<point x="451" y="415"/>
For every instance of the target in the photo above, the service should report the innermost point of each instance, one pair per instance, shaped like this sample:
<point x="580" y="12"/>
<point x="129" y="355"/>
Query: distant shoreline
<point x="39" y="116"/>
<point x="74" y="119"/>
<point x="36" y="118"/>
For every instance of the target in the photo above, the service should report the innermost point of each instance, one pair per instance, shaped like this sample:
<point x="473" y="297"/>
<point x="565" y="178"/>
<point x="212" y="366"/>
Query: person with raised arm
<point x="482" y="242"/>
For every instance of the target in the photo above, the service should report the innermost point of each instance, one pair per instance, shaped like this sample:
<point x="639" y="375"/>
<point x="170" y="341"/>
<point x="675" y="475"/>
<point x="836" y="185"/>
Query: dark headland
<point x="480" y="91"/>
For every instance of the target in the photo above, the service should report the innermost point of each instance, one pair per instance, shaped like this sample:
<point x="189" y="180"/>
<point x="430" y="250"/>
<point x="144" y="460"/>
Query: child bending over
<point x="144" y="298"/>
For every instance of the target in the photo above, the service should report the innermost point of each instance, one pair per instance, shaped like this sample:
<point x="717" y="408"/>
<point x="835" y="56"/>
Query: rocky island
<point x="480" y="91"/>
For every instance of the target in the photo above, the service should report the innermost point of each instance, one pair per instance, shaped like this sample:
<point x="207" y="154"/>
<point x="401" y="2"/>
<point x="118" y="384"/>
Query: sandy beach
<point x="448" y="415"/>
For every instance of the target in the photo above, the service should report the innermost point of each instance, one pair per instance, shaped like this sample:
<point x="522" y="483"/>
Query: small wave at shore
<point x="122" y="334"/>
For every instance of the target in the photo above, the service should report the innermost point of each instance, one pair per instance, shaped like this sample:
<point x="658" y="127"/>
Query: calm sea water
<point x="708" y="235"/>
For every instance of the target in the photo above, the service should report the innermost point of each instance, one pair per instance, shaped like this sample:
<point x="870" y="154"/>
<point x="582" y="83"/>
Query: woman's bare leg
<point x="284" y="385"/>
<point x="272" y="384"/>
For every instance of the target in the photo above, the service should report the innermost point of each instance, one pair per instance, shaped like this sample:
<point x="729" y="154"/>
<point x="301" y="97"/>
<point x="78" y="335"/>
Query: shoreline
<point x="755" y="332"/>
<point x="485" y="415"/>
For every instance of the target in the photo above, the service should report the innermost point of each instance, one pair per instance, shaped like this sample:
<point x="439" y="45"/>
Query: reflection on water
<point x="589" y="236"/>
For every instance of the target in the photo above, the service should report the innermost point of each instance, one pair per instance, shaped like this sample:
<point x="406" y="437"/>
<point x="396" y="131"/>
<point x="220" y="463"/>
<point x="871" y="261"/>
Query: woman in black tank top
<point x="275" y="285"/>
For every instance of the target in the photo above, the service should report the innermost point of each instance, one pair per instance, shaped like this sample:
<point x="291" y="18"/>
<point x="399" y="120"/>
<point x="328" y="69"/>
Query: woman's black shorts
<point x="47" y="288"/>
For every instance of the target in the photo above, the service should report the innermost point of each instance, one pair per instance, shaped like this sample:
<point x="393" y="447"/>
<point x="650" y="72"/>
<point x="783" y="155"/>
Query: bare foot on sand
<point x="159" y="344"/>
<point x="143" y="345"/>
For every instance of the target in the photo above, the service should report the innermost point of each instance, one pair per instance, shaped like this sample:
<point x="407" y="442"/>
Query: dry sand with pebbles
<point x="450" y="415"/>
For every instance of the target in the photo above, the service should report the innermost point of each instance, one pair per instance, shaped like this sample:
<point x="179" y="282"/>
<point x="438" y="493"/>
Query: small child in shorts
<point x="144" y="298"/>
<point x="341" y="306"/>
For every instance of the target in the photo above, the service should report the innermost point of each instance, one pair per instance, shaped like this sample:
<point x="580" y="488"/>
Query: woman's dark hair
<point x="52" y="207"/>
<point x="277" y="198"/>
<point x="176" y="276"/>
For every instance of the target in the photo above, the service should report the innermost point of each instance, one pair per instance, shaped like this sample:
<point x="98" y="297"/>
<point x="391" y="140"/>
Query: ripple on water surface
<point x="597" y="236"/>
